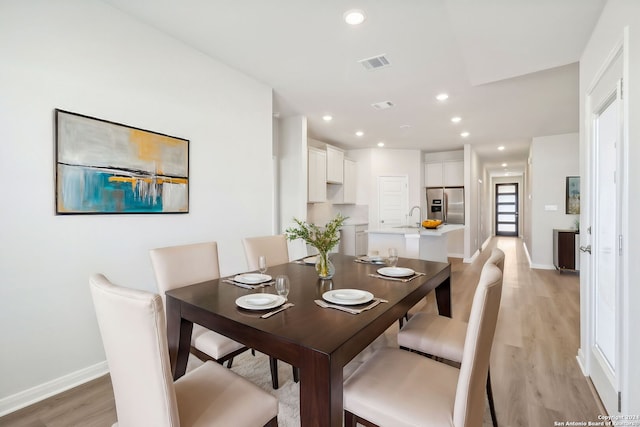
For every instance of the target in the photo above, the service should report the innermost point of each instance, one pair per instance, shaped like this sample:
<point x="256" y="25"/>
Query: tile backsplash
<point x="321" y="213"/>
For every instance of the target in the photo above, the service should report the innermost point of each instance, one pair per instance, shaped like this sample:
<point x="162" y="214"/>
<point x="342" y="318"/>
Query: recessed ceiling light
<point x="354" y="17"/>
<point x="404" y="127"/>
<point x="504" y="165"/>
<point x="359" y="133"/>
<point x="380" y="144"/>
<point x="456" y="119"/>
<point x="464" y="134"/>
<point x="501" y="147"/>
<point x="442" y="97"/>
<point x="327" y="118"/>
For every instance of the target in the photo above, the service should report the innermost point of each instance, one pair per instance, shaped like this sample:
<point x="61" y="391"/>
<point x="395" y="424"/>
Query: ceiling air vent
<point x="382" y="105"/>
<point x="375" y="63"/>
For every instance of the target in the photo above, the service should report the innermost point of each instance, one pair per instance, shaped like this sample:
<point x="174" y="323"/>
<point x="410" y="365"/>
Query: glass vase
<point x="324" y="266"/>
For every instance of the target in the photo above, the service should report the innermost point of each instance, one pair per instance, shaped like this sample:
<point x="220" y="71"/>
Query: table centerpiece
<point x="322" y="239"/>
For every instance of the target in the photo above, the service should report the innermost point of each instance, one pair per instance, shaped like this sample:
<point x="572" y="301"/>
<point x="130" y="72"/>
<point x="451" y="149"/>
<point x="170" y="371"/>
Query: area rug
<point x="256" y="369"/>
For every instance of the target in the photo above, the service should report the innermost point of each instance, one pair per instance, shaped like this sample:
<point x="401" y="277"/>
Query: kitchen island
<point x="414" y="242"/>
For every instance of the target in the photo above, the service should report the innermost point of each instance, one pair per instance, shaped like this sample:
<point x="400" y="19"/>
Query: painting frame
<point x="572" y="195"/>
<point x="104" y="167"/>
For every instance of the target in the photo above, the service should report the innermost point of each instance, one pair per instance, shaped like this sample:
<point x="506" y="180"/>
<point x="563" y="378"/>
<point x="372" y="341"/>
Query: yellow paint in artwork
<point x="133" y="181"/>
<point x="149" y="145"/>
<point x="158" y="180"/>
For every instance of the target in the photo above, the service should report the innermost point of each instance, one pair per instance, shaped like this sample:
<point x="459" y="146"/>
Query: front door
<point x="507" y="209"/>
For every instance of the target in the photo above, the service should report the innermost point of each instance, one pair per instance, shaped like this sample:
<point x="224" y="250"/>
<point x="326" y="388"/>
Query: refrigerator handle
<point x="445" y="207"/>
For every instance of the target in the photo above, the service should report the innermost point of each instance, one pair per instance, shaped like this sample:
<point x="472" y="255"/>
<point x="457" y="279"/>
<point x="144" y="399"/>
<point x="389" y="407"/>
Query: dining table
<point x="318" y="341"/>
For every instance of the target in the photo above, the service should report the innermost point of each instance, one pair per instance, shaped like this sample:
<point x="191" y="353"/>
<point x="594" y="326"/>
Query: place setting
<point x="309" y="260"/>
<point x="252" y="280"/>
<point x="349" y="300"/>
<point x="264" y="301"/>
<point x="393" y="272"/>
<point x="373" y="258"/>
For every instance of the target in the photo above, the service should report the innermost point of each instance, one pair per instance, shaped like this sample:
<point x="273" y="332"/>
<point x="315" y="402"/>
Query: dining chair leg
<point x="273" y="365"/>
<point x="492" y="408"/>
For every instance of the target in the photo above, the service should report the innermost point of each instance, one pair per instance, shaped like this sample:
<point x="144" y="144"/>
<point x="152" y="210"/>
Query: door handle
<point x="585" y="248"/>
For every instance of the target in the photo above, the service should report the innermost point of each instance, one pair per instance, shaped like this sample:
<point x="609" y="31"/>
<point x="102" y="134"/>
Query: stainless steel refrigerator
<point x="446" y="204"/>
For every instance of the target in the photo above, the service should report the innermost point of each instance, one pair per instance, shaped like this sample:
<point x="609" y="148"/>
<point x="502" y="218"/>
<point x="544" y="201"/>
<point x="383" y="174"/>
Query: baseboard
<point x="542" y="266"/>
<point x="472" y="258"/>
<point x="486" y="243"/>
<point x="526" y="252"/>
<point x="580" y="359"/>
<point x="40" y="392"/>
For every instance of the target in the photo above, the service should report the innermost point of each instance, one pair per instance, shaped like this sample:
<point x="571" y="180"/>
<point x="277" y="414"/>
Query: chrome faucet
<point x="419" y="211"/>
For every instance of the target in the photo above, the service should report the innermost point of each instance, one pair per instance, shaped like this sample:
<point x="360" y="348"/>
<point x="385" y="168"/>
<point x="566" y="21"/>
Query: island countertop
<point x="414" y="242"/>
<point x="443" y="229"/>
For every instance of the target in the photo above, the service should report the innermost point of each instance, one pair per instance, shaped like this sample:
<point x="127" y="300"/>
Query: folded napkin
<point x="364" y="261"/>
<point x="247" y="286"/>
<point x="397" y="279"/>
<point x="350" y="310"/>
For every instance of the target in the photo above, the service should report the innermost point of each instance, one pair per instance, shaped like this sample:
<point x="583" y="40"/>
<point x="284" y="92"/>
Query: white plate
<point x="371" y="258"/>
<point x="396" y="271"/>
<point x="252" y="278"/>
<point x="347" y="296"/>
<point x="260" y="301"/>
<point x="310" y="260"/>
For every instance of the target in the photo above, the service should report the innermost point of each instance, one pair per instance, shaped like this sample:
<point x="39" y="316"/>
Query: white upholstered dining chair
<point x="400" y="388"/>
<point x="276" y="252"/>
<point x="178" y="266"/>
<point x="133" y="329"/>
<point x="273" y="248"/>
<point x="444" y="337"/>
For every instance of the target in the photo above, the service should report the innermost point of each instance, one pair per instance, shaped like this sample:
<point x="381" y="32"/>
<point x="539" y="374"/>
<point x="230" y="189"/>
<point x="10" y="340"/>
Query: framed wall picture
<point x="572" y="205"/>
<point x="110" y="168"/>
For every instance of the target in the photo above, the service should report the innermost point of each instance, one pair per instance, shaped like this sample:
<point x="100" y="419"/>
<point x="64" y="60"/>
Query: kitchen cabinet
<point x="449" y="173"/>
<point x="335" y="165"/>
<point x="353" y="239"/>
<point x="433" y="174"/>
<point x="565" y="249"/>
<point x="317" y="175"/>
<point x="346" y="193"/>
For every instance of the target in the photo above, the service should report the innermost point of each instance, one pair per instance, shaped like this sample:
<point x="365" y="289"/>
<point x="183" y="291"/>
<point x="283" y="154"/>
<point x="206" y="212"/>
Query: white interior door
<point x="606" y="235"/>
<point x="393" y="200"/>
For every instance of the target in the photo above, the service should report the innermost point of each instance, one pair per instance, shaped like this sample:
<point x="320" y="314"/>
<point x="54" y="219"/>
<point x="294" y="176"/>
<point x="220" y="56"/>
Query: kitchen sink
<point x="406" y="226"/>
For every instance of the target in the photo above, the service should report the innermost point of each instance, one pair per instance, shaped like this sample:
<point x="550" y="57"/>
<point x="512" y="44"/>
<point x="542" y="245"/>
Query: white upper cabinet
<point x="346" y="193"/>
<point x="433" y="175"/>
<point x="454" y="173"/>
<point x="449" y="173"/>
<point x="335" y="165"/>
<point x="317" y="175"/>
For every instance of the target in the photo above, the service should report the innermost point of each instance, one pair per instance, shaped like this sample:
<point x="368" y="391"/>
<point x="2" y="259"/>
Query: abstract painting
<point x="110" y="168"/>
<point x="572" y="205"/>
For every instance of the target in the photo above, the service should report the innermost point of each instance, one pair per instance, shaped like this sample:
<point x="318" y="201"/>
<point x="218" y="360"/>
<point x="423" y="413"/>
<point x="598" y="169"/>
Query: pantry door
<point x="393" y="200"/>
<point x="606" y="233"/>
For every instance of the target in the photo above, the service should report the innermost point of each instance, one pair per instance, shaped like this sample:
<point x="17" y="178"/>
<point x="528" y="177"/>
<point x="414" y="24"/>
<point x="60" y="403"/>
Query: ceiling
<point x="509" y="66"/>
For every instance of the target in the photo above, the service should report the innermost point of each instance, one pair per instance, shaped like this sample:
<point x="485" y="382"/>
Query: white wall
<point x="375" y="162"/>
<point x="553" y="159"/>
<point x="86" y="57"/>
<point x="617" y="16"/>
<point x="292" y="174"/>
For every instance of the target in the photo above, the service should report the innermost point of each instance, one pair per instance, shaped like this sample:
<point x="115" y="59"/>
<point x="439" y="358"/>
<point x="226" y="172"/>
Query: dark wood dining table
<point x="319" y="341"/>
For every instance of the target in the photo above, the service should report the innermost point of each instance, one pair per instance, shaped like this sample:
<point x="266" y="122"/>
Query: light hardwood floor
<point x="535" y="375"/>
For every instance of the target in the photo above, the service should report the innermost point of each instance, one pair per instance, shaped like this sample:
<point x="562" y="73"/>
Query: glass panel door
<point x="507" y="209"/>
